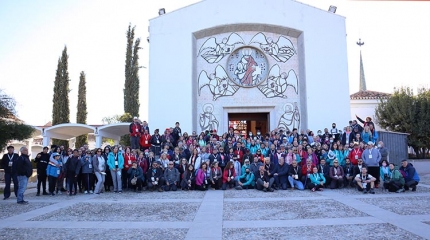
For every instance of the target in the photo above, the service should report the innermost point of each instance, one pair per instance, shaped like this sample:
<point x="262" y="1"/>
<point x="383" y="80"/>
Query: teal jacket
<point x="111" y="160"/>
<point x="248" y="179"/>
<point x="316" y="180"/>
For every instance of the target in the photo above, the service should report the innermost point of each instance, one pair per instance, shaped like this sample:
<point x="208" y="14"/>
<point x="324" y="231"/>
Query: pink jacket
<point x="200" y="177"/>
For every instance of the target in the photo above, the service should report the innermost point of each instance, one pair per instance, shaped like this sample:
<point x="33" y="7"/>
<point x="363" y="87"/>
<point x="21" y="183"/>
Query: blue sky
<point x="33" y="34"/>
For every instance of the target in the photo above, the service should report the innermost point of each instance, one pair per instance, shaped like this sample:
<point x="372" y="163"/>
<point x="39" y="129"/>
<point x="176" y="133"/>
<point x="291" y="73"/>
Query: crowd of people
<point x="174" y="160"/>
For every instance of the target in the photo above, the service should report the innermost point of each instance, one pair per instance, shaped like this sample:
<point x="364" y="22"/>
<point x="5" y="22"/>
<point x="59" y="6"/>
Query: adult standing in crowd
<point x="116" y="164"/>
<point x="383" y="151"/>
<point x="8" y="163"/>
<point x="24" y="170"/>
<point x="135" y="130"/>
<point x="42" y="160"/>
<point x="72" y="168"/>
<point x="99" y="164"/>
<point x="372" y="157"/>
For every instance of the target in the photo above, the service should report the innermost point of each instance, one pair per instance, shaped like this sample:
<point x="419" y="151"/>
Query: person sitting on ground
<point x="246" y="180"/>
<point x="348" y="169"/>
<point x="201" y="178"/>
<point x="216" y="176"/>
<point x="324" y="169"/>
<point x="294" y="176"/>
<point x="281" y="175"/>
<point x="365" y="181"/>
<point x="264" y="182"/>
<point x="393" y="180"/>
<point x="135" y="175"/>
<point x="189" y="179"/>
<point x="411" y="179"/>
<point x="154" y="177"/>
<point x="317" y="181"/>
<point x="171" y="176"/>
<point x="336" y="175"/>
<point x="306" y="171"/>
<point x="229" y="176"/>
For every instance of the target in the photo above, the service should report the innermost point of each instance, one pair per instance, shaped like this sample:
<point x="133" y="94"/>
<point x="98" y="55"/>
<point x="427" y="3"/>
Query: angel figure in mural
<point x="218" y="83"/>
<point x="290" y="119"/>
<point x="247" y="70"/>
<point x="277" y="83"/>
<point x="207" y="119"/>
<point x="213" y="52"/>
<point x="281" y="51"/>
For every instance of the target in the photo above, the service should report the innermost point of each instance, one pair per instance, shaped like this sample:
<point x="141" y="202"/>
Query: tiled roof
<point x="369" y="95"/>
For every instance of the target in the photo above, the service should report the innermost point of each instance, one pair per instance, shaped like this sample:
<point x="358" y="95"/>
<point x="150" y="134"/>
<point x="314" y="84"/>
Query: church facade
<point x="265" y="64"/>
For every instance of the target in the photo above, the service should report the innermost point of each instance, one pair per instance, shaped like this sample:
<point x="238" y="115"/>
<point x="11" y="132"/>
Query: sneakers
<point x="372" y="191"/>
<point x="86" y="192"/>
<point x="271" y="189"/>
<point x="119" y="191"/>
<point x="365" y="191"/>
<point x="52" y="194"/>
<point x="59" y="193"/>
<point x="91" y="192"/>
<point x="23" y="202"/>
<point x="400" y="190"/>
<point x="414" y="188"/>
<point x="45" y="193"/>
<point x="264" y="189"/>
<point x="38" y="194"/>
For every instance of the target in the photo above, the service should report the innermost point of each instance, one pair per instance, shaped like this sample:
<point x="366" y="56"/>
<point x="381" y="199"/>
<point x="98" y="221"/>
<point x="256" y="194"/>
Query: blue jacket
<point x="249" y="179"/>
<point x="111" y="160"/>
<point x="87" y="164"/>
<point x="411" y="173"/>
<point x="52" y="170"/>
<point x="315" y="180"/>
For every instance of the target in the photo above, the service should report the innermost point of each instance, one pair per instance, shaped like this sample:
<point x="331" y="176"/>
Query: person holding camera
<point x="154" y="177"/>
<point x="135" y="177"/>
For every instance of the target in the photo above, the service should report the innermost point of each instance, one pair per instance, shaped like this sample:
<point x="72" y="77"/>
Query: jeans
<point x="100" y="182"/>
<point x="22" y="182"/>
<point x="87" y="179"/>
<point x="295" y="183"/>
<point x="260" y="183"/>
<point x="116" y="179"/>
<point x="8" y="178"/>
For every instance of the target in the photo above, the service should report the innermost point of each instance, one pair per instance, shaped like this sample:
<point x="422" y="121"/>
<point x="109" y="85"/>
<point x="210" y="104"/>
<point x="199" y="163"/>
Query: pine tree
<point x="81" y="116"/>
<point x="131" y="86"/>
<point x="60" y="108"/>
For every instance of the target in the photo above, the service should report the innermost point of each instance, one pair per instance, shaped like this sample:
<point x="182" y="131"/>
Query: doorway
<point x="249" y="122"/>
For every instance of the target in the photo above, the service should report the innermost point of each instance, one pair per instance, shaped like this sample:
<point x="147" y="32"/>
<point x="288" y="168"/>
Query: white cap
<point x="134" y="118"/>
<point x="370" y="143"/>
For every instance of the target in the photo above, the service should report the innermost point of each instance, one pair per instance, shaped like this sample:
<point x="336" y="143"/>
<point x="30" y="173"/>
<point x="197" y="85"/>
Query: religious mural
<point x="207" y="120"/>
<point x="290" y="117"/>
<point x="252" y="69"/>
<point x="213" y="52"/>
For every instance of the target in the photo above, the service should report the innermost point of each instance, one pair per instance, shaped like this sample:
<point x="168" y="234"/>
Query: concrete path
<point x="231" y="214"/>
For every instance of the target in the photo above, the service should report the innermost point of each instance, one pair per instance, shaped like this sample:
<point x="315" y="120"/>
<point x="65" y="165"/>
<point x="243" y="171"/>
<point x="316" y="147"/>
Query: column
<point x="46" y="140"/>
<point x="98" y="140"/>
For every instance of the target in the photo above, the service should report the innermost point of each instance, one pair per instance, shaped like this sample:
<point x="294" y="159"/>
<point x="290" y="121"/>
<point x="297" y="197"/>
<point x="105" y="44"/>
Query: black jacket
<point x="324" y="169"/>
<point x="42" y="163"/>
<point x="73" y="165"/>
<point x="158" y="173"/>
<point x="356" y="170"/>
<point x="292" y="171"/>
<point x="23" y="166"/>
<point x="5" y="163"/>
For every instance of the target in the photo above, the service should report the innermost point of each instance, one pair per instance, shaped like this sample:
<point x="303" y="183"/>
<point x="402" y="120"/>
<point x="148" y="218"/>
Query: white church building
<point x="264" y="64"/>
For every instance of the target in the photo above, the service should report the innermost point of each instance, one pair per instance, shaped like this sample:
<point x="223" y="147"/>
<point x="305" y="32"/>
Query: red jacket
<point x="305" y="169"/>
<point x="143" y="163"/>
<point x="135" y="129"/>
<point x="240" y="153"/>
<point x="352" y="156"/>
<point x="128" y="160"/>
<point x="145" y="140"/>
<point x="225" y="174"/>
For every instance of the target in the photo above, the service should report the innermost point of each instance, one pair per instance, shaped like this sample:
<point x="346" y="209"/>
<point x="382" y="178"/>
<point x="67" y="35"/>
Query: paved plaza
<point x="231" y="214"/>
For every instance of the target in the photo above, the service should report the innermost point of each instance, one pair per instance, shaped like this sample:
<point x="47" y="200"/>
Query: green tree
<point x="131" y="86"/>
<point x="81" y="115"/>
<point x="407" y="113"/>
<point x="11" y="128"/>
<point x="60" y="108"/>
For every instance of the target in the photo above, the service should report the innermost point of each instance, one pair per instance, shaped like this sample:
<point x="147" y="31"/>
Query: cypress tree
<point x="60" y="108"/>
<point x="131" y="86"/>
<point x="81" y="115"/>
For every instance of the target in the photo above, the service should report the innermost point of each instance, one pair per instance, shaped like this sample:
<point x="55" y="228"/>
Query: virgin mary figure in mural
<point x="290" y="119"/>
<point x="208" y="120"/>
<point x="247" y="69"/>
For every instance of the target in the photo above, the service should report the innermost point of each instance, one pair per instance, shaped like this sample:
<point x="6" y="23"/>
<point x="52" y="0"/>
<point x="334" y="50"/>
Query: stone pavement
<point x="231" y="214"/>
